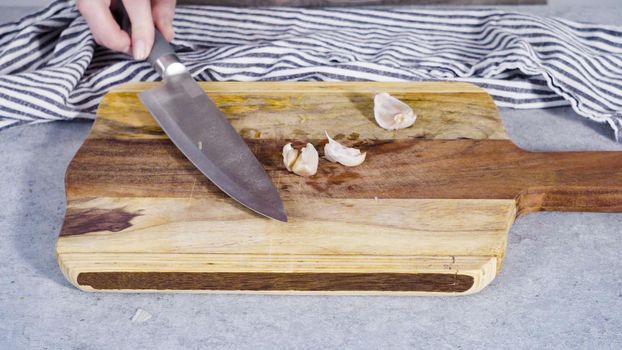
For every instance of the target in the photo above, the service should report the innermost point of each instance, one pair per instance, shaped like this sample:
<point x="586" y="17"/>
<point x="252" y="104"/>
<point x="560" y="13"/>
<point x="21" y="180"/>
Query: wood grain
<point x="114" y="272"/>
<point x="391" y="227"/>
<point x="286" y="110"/>
<point x="403" y="236"/>
<point x="410" y="168"/>
<point x="271" y="281"/>
<point x="427" y="213"/>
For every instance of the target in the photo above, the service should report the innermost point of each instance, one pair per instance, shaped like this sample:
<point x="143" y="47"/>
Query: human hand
<point x="143" y="15"/>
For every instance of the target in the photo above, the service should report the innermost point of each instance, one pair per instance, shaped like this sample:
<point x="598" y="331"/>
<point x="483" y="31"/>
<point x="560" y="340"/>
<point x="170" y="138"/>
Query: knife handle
<point x="162" y="56"/>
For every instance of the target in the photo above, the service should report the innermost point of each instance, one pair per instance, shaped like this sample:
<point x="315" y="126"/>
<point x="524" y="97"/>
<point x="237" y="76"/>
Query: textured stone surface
<point x="561" y="286"/>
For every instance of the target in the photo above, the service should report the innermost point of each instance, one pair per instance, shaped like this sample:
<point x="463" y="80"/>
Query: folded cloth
<point x="51" y="68"/>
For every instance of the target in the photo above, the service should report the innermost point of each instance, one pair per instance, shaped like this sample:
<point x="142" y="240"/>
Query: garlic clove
<point x="289" y="156"/>
<point x="306" y="164"/>
<point x="337" y="153"/>
<point x="303" y="163"/>
<point x="391" y="113"/>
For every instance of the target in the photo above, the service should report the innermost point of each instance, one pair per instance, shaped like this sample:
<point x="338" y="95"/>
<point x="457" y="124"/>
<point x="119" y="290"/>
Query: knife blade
<point x="203" y="133"/>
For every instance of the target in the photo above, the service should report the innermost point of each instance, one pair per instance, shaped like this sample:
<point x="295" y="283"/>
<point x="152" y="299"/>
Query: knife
<point x="202" y="132"/>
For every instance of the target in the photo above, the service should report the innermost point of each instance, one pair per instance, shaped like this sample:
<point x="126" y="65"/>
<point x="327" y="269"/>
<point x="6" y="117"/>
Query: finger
<point x="163" y="12"/>
<point x="105" y="29"/>
<point x="139" y="12"/>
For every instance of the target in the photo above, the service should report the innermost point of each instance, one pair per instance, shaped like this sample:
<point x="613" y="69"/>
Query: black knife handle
<point x="160" y="48"/>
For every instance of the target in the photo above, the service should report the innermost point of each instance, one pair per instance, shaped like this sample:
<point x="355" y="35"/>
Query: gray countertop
<point x="560" y="287"/>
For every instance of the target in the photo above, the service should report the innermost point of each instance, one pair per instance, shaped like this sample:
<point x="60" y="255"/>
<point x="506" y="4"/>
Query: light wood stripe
<point x="304" y="110"/>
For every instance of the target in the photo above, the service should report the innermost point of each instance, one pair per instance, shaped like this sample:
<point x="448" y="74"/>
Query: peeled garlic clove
<point x="337" y="153"/>
<point x="306" y="164"/>
<point x="289" y="156"/>
<point x="303" y="163"/>
<point x="391" y="113"/>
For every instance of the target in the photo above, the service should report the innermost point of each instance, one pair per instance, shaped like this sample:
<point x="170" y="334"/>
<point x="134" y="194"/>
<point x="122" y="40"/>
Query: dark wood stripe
<point x="242" y="281"/>
<point x="78" y="221"/>
<point x="578" y="199"/>
<point x="413" y="168"/>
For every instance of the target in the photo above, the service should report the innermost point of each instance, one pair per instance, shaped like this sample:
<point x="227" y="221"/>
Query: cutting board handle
<point x="490" y="169"/>
<point x="572" y="181"/>
<point x="576" y="199"/>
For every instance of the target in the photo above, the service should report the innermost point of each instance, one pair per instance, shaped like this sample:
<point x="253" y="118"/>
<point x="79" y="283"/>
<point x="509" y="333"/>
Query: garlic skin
<point x="304" y="162"/>
<point x="289" y="156"/>
<point x="391" y="113"/>
<point x="337" y="153"/>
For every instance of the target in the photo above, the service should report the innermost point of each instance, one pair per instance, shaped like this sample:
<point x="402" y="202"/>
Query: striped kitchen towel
<point x="51" y="68"/>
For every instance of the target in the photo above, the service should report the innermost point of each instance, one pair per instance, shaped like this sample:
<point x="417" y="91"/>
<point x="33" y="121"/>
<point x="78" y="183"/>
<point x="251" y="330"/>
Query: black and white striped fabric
<point x="51" y="69"/>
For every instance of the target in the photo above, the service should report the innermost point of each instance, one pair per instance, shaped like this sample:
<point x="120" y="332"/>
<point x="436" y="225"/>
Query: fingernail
<point x="140" y="50"/>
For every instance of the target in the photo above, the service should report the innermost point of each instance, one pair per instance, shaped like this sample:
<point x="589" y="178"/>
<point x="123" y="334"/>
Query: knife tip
<point x="280" y="217"/>
<point x="273" y="213"/>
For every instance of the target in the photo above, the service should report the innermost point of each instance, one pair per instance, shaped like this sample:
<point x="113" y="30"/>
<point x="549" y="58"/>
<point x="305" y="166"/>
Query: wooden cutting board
<point x="427" y="213"/>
